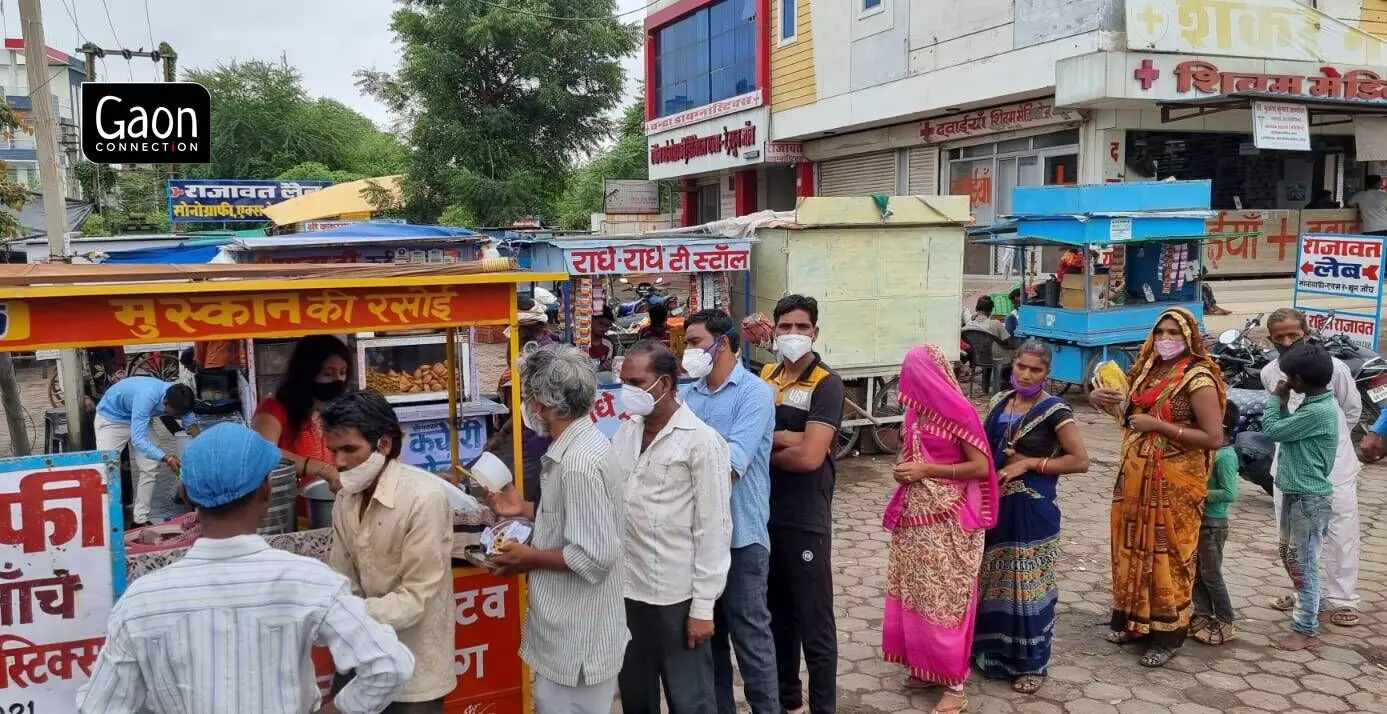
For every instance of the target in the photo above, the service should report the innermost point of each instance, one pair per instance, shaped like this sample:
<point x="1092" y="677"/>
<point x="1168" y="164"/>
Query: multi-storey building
<point x="63" y="88"/>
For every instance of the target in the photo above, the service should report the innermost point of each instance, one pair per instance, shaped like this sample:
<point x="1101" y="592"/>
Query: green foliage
<point x="264" y="124"/>
<point x="458" y="215"/>
<point x="97" y="181"/>
<point x="499" y="100"/>
<point x="314" y="171"/>
<point x="13" y="194"/>
<point x="582" y="196"/>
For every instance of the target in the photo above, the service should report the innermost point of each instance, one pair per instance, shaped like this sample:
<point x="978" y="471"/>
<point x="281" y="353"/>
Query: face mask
<point x="1283" y="349"/>
<point x="698" y="363"/>
<point x="328" y="391"/>
<point x="532" y="420"/>
<point x="1023" y="390"/>
<point x="792" y="347"/>
<point x="356" y="480"/>
<point x="1170" y="349"/>
<point x="638" y="402"/>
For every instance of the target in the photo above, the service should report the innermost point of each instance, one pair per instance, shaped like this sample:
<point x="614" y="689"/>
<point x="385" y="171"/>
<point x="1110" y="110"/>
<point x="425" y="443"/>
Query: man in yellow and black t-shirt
<point x="808" y="412"/>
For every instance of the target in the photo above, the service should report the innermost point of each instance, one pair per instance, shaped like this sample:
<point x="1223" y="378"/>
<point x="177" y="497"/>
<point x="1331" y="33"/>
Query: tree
<point x="499" y="99"/>
<point x="626" y="159"/>
<point x="264" y="124"/>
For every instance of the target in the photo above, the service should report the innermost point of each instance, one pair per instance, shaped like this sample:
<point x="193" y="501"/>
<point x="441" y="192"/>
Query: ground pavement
<point x="1347" y="673"/>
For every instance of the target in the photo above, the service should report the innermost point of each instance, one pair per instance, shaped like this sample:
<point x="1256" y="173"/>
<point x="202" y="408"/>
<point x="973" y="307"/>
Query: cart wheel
<point x="1058" y="388"/>
<point x="1370" y="413"/>
<point x="887" y="438"/>
<point x="846" y="443"/>
<point x="155" y="364"/>
<point x="1122" y="357"/>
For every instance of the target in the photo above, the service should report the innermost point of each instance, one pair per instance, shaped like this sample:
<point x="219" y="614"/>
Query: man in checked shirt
<point x="228" y="629"/>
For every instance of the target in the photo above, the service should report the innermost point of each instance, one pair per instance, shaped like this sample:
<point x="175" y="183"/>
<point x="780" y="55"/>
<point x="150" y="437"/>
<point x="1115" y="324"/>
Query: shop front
<point x="982" y="153"/>
<point x="1282" y="142"/>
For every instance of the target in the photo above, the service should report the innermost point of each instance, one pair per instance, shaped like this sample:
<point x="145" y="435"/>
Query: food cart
<point x="67" y="539"/>
<point x="1140" y="245"/>
<point x="602" y="270"/>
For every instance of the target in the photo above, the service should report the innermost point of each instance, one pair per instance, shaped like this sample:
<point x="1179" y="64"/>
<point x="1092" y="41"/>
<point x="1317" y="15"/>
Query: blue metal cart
<point x="1140" y="246"/>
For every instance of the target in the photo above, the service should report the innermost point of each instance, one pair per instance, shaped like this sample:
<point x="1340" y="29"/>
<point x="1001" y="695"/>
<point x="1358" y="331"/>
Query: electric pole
<point x="54" y="197"/>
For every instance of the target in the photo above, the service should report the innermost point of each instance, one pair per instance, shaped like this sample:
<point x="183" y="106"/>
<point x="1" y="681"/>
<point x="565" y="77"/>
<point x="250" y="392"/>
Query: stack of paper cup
<point x="490" y="472"/>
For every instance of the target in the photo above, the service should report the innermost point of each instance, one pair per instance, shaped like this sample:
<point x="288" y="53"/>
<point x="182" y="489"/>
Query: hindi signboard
<point x="1359" y="328"/>
<point x="630" y="196"/>
<point x="1345" y="266"/>
<point x="658" y="258"/>
<point x="1264" y="242"/>
<point x="426" y="443"/>
<point x="1267" y="29"/>
<point x="1279" y="125"/>
<point x="62" y="566"/>
<point x="228" y="201"/>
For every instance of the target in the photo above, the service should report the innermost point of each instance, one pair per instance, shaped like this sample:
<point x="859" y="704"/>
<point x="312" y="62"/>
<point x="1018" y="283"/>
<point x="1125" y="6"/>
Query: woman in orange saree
<point x="1172" y="423"/>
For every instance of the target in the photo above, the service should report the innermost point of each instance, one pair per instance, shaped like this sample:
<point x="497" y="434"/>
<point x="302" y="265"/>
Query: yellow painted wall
<point x="1374" y="17"/>
<point x="792" y="65"/>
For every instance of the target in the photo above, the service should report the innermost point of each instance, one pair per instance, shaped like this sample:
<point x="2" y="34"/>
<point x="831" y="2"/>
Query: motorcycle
<point x="1253" y="448"/>
<point x="1240" y="358"/>
<point x="1369" y="371"/>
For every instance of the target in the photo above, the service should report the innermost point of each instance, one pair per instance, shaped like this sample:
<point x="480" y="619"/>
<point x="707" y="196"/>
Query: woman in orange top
<point x="317" y="374"/>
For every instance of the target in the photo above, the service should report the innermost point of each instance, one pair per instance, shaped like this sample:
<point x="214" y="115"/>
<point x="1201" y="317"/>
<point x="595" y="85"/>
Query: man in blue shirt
<point x="741" y="407"/>
<point x="123" y="418"/>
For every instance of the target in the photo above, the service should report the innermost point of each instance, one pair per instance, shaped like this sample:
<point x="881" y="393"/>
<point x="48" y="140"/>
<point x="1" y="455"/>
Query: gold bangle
<point x="1179" y="433"/>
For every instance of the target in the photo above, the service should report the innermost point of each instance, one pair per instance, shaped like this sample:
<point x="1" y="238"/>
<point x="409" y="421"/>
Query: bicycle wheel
<point x="887" y="403"/>
<point x="845" y="444"/>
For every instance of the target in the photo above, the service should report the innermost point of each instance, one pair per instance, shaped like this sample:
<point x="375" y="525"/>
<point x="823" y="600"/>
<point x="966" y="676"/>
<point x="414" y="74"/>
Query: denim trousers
<point x="1304" y="523"/>
<point x="742" y="621"/>
<point x="1210" y="591"/>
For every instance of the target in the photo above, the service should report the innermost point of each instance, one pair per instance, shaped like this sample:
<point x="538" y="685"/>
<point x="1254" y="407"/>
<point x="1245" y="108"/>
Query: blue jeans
<point x="1304" y="523"/>
<point x="742" y="620"/>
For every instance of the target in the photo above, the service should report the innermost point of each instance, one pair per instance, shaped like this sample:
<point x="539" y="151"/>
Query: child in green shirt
<point x="1212" y="623"/>
<point x="1308" y="440"/>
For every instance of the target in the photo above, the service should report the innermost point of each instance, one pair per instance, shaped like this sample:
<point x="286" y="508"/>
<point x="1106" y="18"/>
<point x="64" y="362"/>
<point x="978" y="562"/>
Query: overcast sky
<point x="327" y="40"/>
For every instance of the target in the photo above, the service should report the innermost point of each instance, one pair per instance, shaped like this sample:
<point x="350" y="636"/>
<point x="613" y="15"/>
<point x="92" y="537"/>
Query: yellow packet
<point x="1110" y="376"/>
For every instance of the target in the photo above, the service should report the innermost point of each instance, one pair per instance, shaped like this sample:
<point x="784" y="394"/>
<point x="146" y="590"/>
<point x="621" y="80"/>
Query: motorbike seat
<point x="1251" y="402"/>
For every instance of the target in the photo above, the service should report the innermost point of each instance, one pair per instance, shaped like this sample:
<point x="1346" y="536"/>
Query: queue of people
<point x="703" y="529"/>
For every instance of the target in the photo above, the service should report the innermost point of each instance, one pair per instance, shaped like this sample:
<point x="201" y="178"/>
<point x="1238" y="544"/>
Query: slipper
<point x="960" y="704"/>
<point x="1156" y="657"/>
<point x="1121" y="637"/>
<point x="1027" y="684"/>
<point x="1285" y="603"/>
<point x="1343" y="617"/>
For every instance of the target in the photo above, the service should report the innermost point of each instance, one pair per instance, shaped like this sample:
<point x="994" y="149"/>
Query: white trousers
<point x="114" y="436"/>
<point x="1342" y="544"/>
<point x="554" y="698"/>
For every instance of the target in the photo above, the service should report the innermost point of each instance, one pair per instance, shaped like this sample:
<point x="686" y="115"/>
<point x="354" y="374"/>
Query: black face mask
<point x="1283" y="349"/>
<point x="328" y="391"/>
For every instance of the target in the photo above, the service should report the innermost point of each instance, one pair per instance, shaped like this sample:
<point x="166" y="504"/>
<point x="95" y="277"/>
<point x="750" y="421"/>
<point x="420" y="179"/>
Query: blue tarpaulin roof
<point x="190" y="252"/>
<point x="365" y="232"/>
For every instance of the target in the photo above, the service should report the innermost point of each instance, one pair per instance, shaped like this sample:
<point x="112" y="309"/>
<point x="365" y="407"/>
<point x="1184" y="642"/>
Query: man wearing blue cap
<point x="228" y="629"/>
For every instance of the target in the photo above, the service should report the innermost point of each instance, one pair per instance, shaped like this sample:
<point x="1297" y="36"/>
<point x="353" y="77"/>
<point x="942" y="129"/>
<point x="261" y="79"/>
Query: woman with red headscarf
<point x="946" y="499"/>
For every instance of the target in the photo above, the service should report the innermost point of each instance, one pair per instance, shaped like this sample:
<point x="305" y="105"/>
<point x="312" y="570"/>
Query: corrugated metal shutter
<point x="859" y="175"/>
<point x="924" y="171"/>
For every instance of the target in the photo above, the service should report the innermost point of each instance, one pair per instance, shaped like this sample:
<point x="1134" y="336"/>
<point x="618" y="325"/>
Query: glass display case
<point x="267" y="361"/>
<point x="412" y="369"/>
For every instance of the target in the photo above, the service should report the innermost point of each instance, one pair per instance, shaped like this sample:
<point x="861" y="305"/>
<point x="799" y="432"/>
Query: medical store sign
<point x="229" y="201"/>
<point x="1173" y="77"/>
<point x="1012" y="117"/>
<point x="724" y="143"/>
<point x="62" y="566"/>
<point x="1347" y="266"/>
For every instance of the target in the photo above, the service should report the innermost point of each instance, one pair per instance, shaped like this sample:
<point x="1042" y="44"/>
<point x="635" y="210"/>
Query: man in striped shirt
<point x="575" y="629"/>
<point x="227" y="629"/>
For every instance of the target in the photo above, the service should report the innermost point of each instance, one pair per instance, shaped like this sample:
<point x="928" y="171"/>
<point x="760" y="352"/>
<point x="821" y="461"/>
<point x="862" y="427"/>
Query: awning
<point x="192" y="252"/>
<point x="331" y="201"/>
<point x="1341" y="110"/>
<point x="359" y="233"/>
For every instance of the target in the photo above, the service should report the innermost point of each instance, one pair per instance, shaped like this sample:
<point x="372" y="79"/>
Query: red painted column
<point x="744" y="191"/>
<point x="688" y="203"/>
<point x="804" y="180"/>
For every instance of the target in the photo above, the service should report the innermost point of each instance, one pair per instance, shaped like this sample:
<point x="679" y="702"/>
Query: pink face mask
<point x="1170" y="349"/>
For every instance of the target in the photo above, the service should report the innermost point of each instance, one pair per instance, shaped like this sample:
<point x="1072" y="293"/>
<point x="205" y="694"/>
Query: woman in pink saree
<point x="947" y="498"/>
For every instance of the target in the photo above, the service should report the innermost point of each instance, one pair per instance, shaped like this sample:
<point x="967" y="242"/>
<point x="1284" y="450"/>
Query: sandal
<point x="1285" y="603"/>
<point x="1217" y="633"/>
<point x="960" y="704"/>
<point x="1156" y="657"/>
<point x="1121" y="637"/>
<point x="1027" y="684"/>
<point x="1343" y="617"/>
<point x="1199" y="622"/>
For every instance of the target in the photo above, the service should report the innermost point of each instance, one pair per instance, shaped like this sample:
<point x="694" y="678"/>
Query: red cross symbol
<point x="1146" y="74"/>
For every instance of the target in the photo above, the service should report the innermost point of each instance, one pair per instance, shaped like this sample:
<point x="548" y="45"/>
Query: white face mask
<point x="698" y="363"/>
<point x="638" y="402"/>
<point x="532" y="420"/>
<point x="792" y="347"/>
<point x="356" y="480"/>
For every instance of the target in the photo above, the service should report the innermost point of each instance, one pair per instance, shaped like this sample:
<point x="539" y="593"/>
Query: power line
<point x="111" y="23"/>
<point x="542" y="16"/>
<point x="149" y="26"/>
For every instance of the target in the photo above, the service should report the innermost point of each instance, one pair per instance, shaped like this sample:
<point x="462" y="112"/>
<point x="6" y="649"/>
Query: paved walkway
<point x="1347" y="673"/>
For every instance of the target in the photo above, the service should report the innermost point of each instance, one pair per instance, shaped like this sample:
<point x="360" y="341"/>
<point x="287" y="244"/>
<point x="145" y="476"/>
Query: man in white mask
<point x="741" y="409"/>
<point x="678" y="535"/>
<point x="392" y="536"/>
<point x="808" y="413"/>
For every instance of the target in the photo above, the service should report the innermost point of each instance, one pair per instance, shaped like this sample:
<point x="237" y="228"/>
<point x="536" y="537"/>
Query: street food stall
<point x="1139" y="246"/>
<point x="67" y="540"/>
<point x="607" y="270"/>
<point x="882" y="274"/>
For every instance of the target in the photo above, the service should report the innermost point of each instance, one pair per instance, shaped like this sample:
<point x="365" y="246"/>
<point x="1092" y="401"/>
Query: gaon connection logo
<point x="146" y="123"/>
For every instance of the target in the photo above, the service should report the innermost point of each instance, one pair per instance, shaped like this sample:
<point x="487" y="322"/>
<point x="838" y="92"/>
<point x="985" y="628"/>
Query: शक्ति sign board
<point x="62" y="566"/>
<point x="1342" y="265"/>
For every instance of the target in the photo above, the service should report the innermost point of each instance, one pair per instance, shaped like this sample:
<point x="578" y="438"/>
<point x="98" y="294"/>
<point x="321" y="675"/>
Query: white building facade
<point x="63" y="89"/>
<point x="976" y="98"/>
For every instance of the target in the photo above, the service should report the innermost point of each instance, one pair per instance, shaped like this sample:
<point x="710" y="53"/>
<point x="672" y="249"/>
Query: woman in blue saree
<point x="1034" y="440"/>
